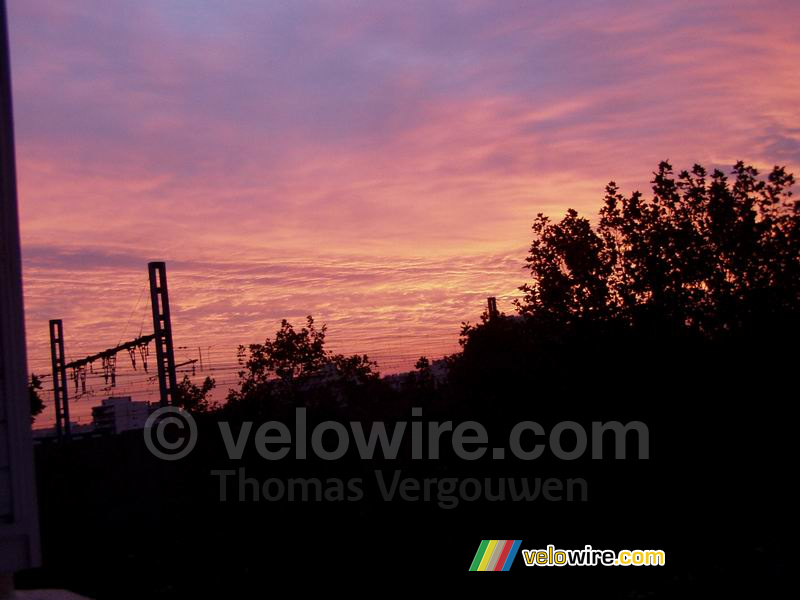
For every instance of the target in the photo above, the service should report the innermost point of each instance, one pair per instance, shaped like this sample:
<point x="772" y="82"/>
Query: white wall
<point x="19" y="536"/>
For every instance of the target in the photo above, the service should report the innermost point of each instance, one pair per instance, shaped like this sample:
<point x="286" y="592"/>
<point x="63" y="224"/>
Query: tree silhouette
<point x="703" y="253"/>
<point x="291" y="355"/>
<point x="36" y="402"/>
<point x="195" y="398"/>
<point x="701" y="278"/>
<point x="570" y="269"/>
<point x="357" y="369"/>
<point x="295" y="366"/>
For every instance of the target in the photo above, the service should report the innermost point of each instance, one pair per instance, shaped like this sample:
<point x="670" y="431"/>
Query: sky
<point x="375" y="164"/>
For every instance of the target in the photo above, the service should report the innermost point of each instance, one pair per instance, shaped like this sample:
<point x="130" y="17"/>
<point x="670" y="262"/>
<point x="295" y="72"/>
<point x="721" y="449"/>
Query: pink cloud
<point x="378" y="166"/>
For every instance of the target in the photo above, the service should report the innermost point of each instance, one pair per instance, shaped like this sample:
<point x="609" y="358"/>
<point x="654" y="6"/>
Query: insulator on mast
<point x="144" y="352"/>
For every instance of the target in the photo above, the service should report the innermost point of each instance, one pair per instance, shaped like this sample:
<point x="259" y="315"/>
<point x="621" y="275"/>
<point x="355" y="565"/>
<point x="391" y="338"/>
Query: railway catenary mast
<point x="162" y="336"/>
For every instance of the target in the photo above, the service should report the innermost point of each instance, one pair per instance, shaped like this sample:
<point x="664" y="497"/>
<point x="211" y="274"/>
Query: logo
<point x="495" y="555"/>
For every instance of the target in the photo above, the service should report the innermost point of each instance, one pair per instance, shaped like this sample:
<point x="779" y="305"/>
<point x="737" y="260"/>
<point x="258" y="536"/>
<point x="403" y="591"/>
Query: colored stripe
<point x="479" y="555"/>
<point x="501" y="561"/>
<point x="512" y="554"/>
<point x="487" y="555"/>
<point x="498" y="549"/>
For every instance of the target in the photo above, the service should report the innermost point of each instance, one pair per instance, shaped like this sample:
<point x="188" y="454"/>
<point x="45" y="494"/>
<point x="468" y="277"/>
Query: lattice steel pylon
<point x="162" y="329"/>
<point x="60" y="398"/>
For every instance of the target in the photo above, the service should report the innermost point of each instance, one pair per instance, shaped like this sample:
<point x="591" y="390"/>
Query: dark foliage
<point x="36" y="402"/>
<point x="195" y="398"/>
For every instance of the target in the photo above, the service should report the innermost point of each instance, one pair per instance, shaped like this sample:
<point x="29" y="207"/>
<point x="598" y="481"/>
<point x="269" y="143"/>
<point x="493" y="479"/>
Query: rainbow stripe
<point x="495" y="555"/>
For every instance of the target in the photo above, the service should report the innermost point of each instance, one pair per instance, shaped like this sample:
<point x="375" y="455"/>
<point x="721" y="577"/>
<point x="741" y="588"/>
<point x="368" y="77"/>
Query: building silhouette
<point x="120" y="413"/>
